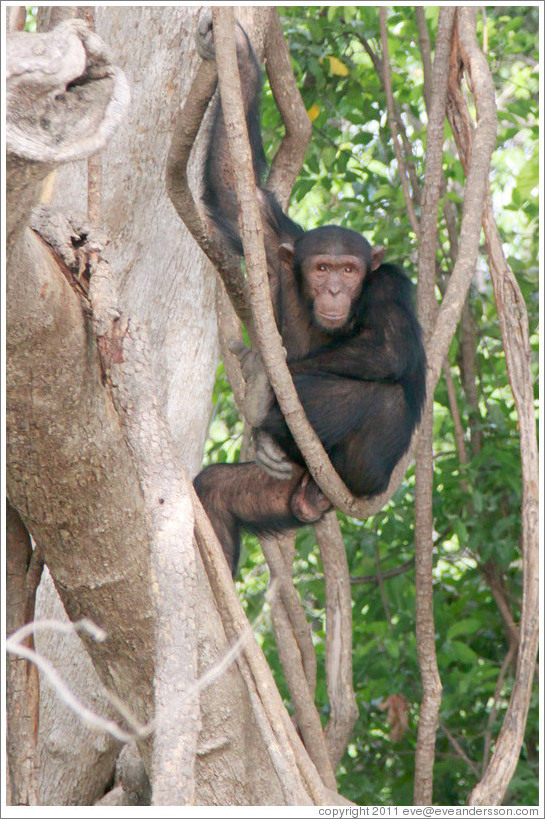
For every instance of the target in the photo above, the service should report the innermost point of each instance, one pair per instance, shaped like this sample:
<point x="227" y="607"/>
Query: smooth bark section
<point x="344" y="710"/>
<point x="127" y="365"/>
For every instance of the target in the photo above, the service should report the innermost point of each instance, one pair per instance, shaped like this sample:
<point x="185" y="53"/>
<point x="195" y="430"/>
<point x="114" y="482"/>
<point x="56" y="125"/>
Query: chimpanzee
<point x="353" y="346"/>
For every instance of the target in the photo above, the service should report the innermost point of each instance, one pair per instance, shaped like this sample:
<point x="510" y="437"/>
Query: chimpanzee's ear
<point x="377" y="255"/>
<point x="286" y="253"/>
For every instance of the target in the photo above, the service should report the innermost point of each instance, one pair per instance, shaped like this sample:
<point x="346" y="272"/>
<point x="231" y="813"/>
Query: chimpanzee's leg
<point x="243" y="497"/>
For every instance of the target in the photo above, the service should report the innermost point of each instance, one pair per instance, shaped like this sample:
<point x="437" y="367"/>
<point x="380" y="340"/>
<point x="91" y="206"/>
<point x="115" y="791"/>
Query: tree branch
<point x="514" y="326"/>
<point x="203" y="231"/>
<point x="281" y="569"/>
<point x="513" y="320"/>
<point x="302" y="695"/>
<point x="427" y="308"/>
<point x="296" y="772"/>
<point x="15" y="645"/>
<point x="127" y="366"/>
<point x="47" y="121"/>
<point x="291" y="153"/>
<point x="344" y="710"/>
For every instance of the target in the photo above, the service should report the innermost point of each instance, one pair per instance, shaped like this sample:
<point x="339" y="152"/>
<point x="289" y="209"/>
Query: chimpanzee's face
<point x="332" y="283"/>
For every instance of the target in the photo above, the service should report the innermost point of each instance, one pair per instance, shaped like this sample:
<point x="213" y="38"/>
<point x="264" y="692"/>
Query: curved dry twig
<point x="14" y="645"/>
<point x="291" y="153"/>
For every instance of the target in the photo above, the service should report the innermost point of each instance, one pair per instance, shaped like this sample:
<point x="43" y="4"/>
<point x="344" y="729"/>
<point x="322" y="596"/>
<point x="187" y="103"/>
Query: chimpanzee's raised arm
<point x="219" y="195"/>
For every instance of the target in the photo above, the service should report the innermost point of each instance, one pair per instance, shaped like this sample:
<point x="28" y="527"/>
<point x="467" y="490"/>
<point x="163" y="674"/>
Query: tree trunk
<point x="70" y="474"/>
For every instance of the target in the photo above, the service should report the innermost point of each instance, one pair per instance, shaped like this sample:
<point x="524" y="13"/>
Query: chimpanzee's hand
<point x="270" y="457"/>
<point x="259" y="397"/>
<point x="205" y="35"/>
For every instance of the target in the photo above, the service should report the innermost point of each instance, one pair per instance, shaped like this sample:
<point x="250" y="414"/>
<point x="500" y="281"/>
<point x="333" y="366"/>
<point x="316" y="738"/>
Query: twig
<point x="507" y="660"/>
<point x="94" y="720"/>
<point x="425" y="51"/>
<point x="357" y="579"/>
<point x="456" y="420"/>
<point x="458" y="748"/>
<point x="495" y="582"/>
<point x="392" y="120"/>
<point x="407" y="147"/>
<point x="382" y="589"/>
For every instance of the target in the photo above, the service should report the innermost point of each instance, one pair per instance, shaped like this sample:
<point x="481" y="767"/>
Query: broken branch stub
<point x="64" y="97"/>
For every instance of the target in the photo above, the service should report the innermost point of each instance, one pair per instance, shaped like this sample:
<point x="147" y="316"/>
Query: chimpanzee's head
<point x="330" y="264"/>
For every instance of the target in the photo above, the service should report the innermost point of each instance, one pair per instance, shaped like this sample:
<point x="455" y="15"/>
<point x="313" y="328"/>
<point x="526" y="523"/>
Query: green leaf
<point x="468" y="626"/>
<point x="461" y="652"/>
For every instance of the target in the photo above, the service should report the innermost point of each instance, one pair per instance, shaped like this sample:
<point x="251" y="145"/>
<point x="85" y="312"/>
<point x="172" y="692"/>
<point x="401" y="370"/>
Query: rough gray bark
<point x="70" y="473"/>
<point x="62" y="776"/>
<point x="63" y="441"/>
<point x="64" y="446"/>
<point x="21" y="676"/>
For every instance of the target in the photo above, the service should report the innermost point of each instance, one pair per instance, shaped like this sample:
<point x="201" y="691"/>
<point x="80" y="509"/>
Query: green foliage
<point x="30" y="23"/>
<point x="350" y="177"/>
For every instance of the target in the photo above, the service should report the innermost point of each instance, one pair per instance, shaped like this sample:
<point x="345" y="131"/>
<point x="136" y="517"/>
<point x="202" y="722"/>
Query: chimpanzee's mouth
<point x="331" y="316"/>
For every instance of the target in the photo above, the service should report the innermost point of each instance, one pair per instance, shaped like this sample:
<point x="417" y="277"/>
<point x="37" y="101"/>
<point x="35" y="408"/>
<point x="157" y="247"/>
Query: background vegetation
<point x="350" y="177"/>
